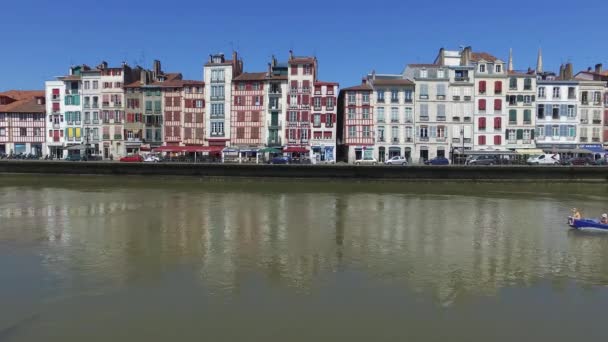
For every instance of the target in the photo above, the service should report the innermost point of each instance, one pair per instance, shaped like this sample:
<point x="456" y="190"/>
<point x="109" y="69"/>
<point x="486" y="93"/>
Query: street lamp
<point x="462" y="138"/>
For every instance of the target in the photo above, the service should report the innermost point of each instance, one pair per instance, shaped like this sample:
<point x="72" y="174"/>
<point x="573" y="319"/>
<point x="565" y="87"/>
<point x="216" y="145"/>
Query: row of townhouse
<point x="22" y="122"/>
<point x="124" y="110"/>
<point x="467" y="101"/>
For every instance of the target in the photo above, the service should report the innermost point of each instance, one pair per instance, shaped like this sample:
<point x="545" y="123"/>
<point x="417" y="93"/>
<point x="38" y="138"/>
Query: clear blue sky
<point x="350" y="38"/>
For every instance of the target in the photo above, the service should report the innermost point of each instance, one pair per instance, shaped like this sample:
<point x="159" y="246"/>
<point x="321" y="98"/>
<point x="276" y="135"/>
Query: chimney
<point x="598" y="68"/>
<point x="539" y="61"/>
<point x="290" y="54"/>
<point x="562" y="72"/>
<point x="156" y="67"/>
<point x="465" y="57"/>
<point x="364" y="80"/>
<point x="510" y="66"/>
<point x="210" y="58"/>
<point x="103" y="65"/>
<point x="440" y="58"/>
<point x="269" y="70"/>
<point x="569" y="73"/>
<point x="234" y="55"/>
<point x="142" y="76"/>
<point x="274" y="61"/>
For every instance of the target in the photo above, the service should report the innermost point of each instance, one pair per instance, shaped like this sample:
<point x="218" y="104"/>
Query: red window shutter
<point x="168" y="102"/>
<point x="176" y="116"/>
<point x="305" y="99"/>
<point x="236" y="100"/>
<point x="481" y="140"/>
<point x="482" y="123"/>
<point x="482" y="86"/>
<point x="55" y="107"/>
<point x="306" y="84"/>
<point x="323" y="117"/>
<point x="606" y="135"/>
<point x="498" y="87"/>
<point x="497" y="139"/>
<point x="324" y="101"/>
<point x="330" y="88"/>
<point x="168" y="132"/>
<point x="497" y="123"/>
<point x="288" y="99"/>
<point x="261" y="100"/>
<point x="55" y="91"/>
<point x="304" y="116"/>
<point x="61" y="133"/>
<point x="299" y="99"/>
<point x="333" y="118"/>
<point x="247" y="86"/>
<point x="294" y="84"/>
<point x="482" y="104"/>
<point x="497" y="104"/>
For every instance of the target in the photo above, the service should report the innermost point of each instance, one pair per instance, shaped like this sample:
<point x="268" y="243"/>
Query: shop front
<point x="394" y="151"/>
<point x="323" y="154"/>
<point x="597" y="150"/>
<point x="364" y="153"/>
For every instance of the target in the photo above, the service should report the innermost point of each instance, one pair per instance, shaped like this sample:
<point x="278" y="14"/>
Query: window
<point x="2" y="132"/>
<point x="584" y="97"/>
<point x="198" y="104"/>
<point x="498" y="68"/>
<point x="556" y="92"/>
<point x="527" y="116"/>
<point x="217" y="92"/>
<point x="441" y="91"/>
<point x="440" y="73"/>
<point x="95" y="84"/>
<point x="571" y="93"/>
<point x="497" y="140"/>
<point x="555" y="112"/>
<point x="408" y="114"/>
<point x="481" y="104"/>
<point x="424" y="112"/>
<point x="482" y="68"/>
<point x="394" y="95"/>
<point x="528" y="84"/>
<point x="571" y="111"/>
<point x="498" y="87"/>
<point x="527" y="99"/>
<point x="316" y="103"/>
<point x="584" y="115"/>
<point x="408" y="95"/>
<point x="352" y="131"/>
<point x="351" y="98"/>
<point x="330" y="103"/>
<point x="423" y="132"/>
<point x="597" y="97"/>
<point x="23" y="131"/>
<point x="351" y="113"/>
<point x="540" y="110"/>
<point x="511" y="135"/>
<point x="217" y="109"/>
<point x="380" y="95"/>
<point x="424" y="73"/>
<point x="293" y="116"/>
<point x="366" y="132"/>
<point x="513" y="83"/>
<point x="440" y="131"/>
<point x="482" y="87"/>
<point x="217" y="128"/>
<point x="441" y="112"/>
<point x="365" y="113"/>
<point x="541" y="92"/>
<point x="316" y="120"/>
<point x="365" y="98"/>
<point x="307" y="69"/>
<point x="380" y="114"/>
<point x="408" y="133"/>
<point x="497" y="123"/>
<point x="555" y="131"/>
<point x="481" y="124"/>
<point x="424" y="91"/>
<point x="512" y="117"/>
<point x="381" y="134"/>
<point x="395" y="134"/>
<point x="394" y="114"/>
<point x="148" y="106"/>
<point x="481" y="140"/>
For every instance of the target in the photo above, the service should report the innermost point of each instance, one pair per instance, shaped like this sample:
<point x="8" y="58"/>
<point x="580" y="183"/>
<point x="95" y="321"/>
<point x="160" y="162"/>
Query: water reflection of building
<point x="450" y="247"/>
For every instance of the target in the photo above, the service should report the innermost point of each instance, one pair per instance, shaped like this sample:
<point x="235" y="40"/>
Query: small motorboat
<point x="580" y="223"/>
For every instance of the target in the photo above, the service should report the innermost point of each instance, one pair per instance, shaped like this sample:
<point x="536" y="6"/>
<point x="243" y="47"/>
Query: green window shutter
<point x="512" y="115"/>
<point x="520" y="98"/>
<point x="65" y="100"/>
<point x="527" y="115"/>
<point x="158" y="92"/>
<point x="520" y="134"/>
<point x="532" y="133"/>
<point x="77" y="100"/>
<point x="507" y="134"/>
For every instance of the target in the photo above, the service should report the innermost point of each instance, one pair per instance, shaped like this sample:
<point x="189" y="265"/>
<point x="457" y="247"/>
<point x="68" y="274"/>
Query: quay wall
<point x="412" y="173"/>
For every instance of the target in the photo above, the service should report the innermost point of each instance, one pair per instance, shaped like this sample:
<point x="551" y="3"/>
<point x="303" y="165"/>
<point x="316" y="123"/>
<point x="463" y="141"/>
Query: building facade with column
<point x="431" y="121"/>
<point x="324" y="122"/>
<point x="394" y="105"/>
<point x="218" y="74"/>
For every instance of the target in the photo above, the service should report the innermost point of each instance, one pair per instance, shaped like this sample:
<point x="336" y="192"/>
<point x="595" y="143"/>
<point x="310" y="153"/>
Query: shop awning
<point x="295" y="150"/>
<point x="188" y="149"/>
<point x="270" y="150"/>
<point x="76" y="147"/>
<point x="594" y="149"/>
<point x="529" y="151"/>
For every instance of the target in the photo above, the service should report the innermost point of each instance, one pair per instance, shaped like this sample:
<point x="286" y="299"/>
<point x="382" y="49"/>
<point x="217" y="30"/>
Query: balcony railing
<point x="424" y="118"/>
<point x="441" y="118"/>
<point x="277" y="124"/>
<point x="583" y="139"/>
<point x="467" y="98"/>
<point x="217" y="80"/>
<point x="456" y="98"/>
<point x="423" y="138"/>
<point x="274" y="106"/>
<point x="106" y="137"/>
<point x="467" y="119"/>
<point x="597" y="121"/>
<point x="455" y="140"/>
<point x="217" y="98"/>
<point x="440" y="139"/>
<point x="274" y="142"/>
<point x="440" y="97"/>
<point x="461" y="79"/>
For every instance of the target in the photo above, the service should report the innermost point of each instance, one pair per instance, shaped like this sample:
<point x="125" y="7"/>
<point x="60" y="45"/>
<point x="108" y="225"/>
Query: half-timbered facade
<point x="356" y="122"/>
<point x="247" y="121"/>
<point x="302" y="72"/>
<point x="184" y="112"/>
<point x="22" y="122"/>
<point x="323" y="120"/>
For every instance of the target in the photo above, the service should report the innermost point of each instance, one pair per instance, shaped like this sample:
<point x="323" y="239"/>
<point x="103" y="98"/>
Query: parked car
<point x="151" y="158"/>
<point x="93" y="157"/>
<point x="580" y="161"/>
<point x="544" y="159"/>
<point x="437" y="161"/>
<point x="397" y="160"/>
<point x="366" y="161"/>
<point x="483" y="160"/>
<point x="280" y="160"/>
<point x="73" y="157"/>
<point x="135" y="158"/>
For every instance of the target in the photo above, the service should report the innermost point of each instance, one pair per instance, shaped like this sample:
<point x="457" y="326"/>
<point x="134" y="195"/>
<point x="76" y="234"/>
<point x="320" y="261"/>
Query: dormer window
<point x="482" y="68"/>
<point x="217" y="59"/>
<point x="440" y="73"/>
<point x="498" y="68"/>
<point x="423" y="73"/>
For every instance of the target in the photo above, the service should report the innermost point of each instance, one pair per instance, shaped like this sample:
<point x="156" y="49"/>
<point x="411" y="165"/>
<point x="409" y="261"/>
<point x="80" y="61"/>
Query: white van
<point x="544" y="159"/>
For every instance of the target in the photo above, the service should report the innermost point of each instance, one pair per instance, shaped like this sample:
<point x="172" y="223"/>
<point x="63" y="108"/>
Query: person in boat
<point x="604" y="219"/>
<point x="576" y="214"/>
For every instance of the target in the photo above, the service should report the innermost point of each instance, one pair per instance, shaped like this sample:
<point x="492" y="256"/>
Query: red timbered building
<point x="302" y="73"/>
<point x="22" y="122"/>
<point x="356" y="122"/>
<point x="247" y="121"/>
<point x="323" y="120"/>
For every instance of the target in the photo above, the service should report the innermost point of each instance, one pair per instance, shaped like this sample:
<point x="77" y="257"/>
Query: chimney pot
<point x="598" y="68"/>
<point x="290" y="54"/>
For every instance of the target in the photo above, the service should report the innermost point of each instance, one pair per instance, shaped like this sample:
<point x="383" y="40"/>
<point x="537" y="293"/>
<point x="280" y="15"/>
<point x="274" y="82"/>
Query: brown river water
<point x="158" y="259"/>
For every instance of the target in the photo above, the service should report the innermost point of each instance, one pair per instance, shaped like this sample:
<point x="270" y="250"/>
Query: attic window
<point x="498" y="68"/>
<point x="482" y="68"/>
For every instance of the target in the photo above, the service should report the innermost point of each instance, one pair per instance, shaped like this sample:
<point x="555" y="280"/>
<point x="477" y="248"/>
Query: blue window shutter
<point x="563" y="131"/>
<point x="563" y="110"/>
